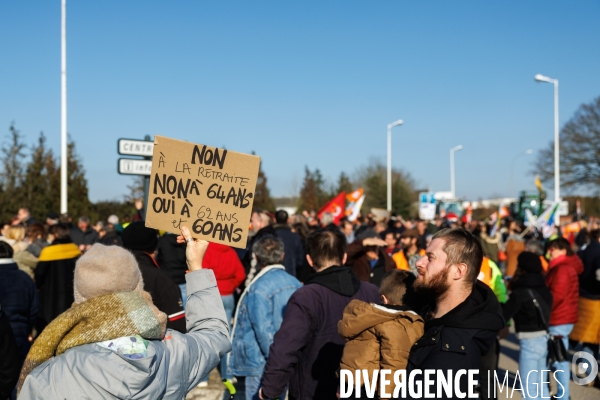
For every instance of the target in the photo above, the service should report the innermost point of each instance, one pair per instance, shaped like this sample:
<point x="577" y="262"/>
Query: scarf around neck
<point x="95" y="320"/>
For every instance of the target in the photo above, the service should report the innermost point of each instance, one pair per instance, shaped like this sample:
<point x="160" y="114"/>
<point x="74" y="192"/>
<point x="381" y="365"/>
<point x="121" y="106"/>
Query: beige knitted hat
<point x="106" y="269"/>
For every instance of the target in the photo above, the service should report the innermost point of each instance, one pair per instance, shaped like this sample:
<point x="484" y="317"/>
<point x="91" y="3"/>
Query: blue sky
<point x="305" y="83"/>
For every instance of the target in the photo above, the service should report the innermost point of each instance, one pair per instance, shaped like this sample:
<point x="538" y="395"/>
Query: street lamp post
<point x="389" y="162"/>
<point x="452" y="180"/>
<point x="512" y="165"/>
<point x="542" y="78"/>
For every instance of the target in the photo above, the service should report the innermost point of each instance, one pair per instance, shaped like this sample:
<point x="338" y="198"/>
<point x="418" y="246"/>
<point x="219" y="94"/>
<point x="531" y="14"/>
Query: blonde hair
<point x="16" y="232"/>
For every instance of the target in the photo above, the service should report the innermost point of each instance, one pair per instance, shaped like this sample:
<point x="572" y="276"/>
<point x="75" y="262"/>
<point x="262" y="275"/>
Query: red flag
<point x="336" y="207"/>
<point x="468" y="217"/>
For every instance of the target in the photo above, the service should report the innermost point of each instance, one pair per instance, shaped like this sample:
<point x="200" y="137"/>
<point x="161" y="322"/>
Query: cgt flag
<point x="468" y="217"/>
<point x="355" y="200"/>
<point x="335" y="207"/>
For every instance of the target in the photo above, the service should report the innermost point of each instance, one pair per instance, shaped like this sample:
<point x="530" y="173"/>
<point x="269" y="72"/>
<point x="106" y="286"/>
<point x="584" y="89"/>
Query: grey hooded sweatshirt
<point x="173" y="366"/>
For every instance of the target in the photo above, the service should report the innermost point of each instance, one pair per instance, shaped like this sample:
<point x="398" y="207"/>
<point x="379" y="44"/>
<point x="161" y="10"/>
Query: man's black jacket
<point x="457" y="340"/>
<point x="10" y="361"/>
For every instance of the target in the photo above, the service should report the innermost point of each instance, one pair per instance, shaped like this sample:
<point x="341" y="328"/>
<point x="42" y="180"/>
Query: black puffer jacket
<point x="171" y="257"/>
<point x="166" y="295"/>
<point x="10" y="362"/>
<point x="458" y="339"/>
<point x="520" y="305"/>
<point x="589" y="284"/>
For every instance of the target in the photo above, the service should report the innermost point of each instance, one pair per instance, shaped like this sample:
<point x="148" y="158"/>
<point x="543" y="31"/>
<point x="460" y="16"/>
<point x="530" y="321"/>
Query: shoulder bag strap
<point x="539" y="309"/>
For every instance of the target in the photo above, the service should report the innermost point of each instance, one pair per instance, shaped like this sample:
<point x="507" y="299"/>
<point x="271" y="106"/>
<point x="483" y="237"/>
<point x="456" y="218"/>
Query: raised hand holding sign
<point x="206" y="189"/>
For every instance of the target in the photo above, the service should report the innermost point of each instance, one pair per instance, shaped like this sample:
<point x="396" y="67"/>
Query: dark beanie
<point x="137" y="237"/>
<point x="529" y="262"/>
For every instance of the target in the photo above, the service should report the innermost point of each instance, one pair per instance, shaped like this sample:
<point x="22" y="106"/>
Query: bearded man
<point x="464" y="318"/>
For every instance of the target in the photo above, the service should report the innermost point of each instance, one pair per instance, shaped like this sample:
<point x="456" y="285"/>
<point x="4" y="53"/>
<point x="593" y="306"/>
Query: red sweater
<point x="563" y="281"/>
<point x="226" y="265"/>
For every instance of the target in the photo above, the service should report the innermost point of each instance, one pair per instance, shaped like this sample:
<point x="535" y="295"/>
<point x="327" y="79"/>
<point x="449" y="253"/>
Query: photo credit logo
<point x="582" y="367"/>
<point x="429" y="383"/>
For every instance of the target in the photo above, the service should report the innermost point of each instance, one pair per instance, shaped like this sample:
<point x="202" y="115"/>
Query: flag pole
<point x="63" y="107"/>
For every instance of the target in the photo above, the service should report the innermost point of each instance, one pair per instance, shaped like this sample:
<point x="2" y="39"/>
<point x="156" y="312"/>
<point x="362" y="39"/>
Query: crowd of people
<point x="124" y="311"/>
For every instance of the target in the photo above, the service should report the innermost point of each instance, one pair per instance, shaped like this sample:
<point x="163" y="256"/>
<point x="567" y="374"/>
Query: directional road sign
<point x="132" y="147"/>
<point x="129" y="166"/>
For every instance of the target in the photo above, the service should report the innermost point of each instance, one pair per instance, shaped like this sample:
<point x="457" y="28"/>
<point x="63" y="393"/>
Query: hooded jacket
<point x="54" y="276"/>
<point x="23" y="257"/>
<point x="458" y="339"/>
<point x="307" y="349"/>
<point x="172" y="367"/>
<point x="228" y="269"/>
<point x="520" y="305"/>
<point x="19" y="299"/>
<point x="589" y="282"/>
<point x="563" y="281"/>
<point x="379" y="336"/>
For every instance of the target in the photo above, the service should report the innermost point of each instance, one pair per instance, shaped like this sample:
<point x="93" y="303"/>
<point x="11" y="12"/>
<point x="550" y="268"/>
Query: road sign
<point x="132" y="147"/>
<point x="563" y="206"/>
<point x="128" y="166"/>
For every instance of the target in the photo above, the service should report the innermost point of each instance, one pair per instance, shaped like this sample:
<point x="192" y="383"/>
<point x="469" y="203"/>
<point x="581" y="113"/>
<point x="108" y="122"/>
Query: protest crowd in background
<point x="309" y="294"/>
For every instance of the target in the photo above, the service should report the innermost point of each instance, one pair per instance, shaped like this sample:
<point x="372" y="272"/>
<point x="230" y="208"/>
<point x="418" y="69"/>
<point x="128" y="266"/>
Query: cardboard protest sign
<point x="207" y="189"/>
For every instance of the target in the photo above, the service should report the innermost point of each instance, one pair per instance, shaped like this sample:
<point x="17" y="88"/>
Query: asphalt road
<point x="509" y="359"/>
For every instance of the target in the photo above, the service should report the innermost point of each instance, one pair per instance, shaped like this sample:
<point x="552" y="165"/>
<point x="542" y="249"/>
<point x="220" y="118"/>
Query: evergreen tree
<point x="314" y="193"/>
<point x="373" y="178"/>
<point x="308" y="193"/>
<point x="36" y="184"/>
<point x="78" y="202"/>
<point x="323" y="195"/>
<point x="41" y="184"/>
<point x="343" y="184"/>
<point x="52" y="169"/>
<point x="136" y="189"/>
<point x="11" y="176"/>
<point x="103" y="209"/>
<point x="262" y="195"/>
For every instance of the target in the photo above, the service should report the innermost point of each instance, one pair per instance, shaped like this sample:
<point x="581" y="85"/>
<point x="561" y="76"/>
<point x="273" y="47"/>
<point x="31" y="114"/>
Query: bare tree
<point x="136" y="189"/>
<point x="579" y="151"/>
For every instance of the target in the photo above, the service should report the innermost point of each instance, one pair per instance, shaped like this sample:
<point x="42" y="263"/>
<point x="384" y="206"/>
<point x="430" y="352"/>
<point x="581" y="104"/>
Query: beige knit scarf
<point x="95" y="320"/>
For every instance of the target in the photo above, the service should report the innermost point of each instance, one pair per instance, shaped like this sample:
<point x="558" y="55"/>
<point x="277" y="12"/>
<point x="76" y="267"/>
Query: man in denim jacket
<point x="259" y="314"/>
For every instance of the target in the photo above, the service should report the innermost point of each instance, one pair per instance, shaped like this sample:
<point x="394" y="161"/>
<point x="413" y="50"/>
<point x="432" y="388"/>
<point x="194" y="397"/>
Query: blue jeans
<point x="563" y="374"/>
<point x="252" y="386"/>
<point x="228" y="304"/>
<point x="183" y="289"/>
<point x="532" y="357"/>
